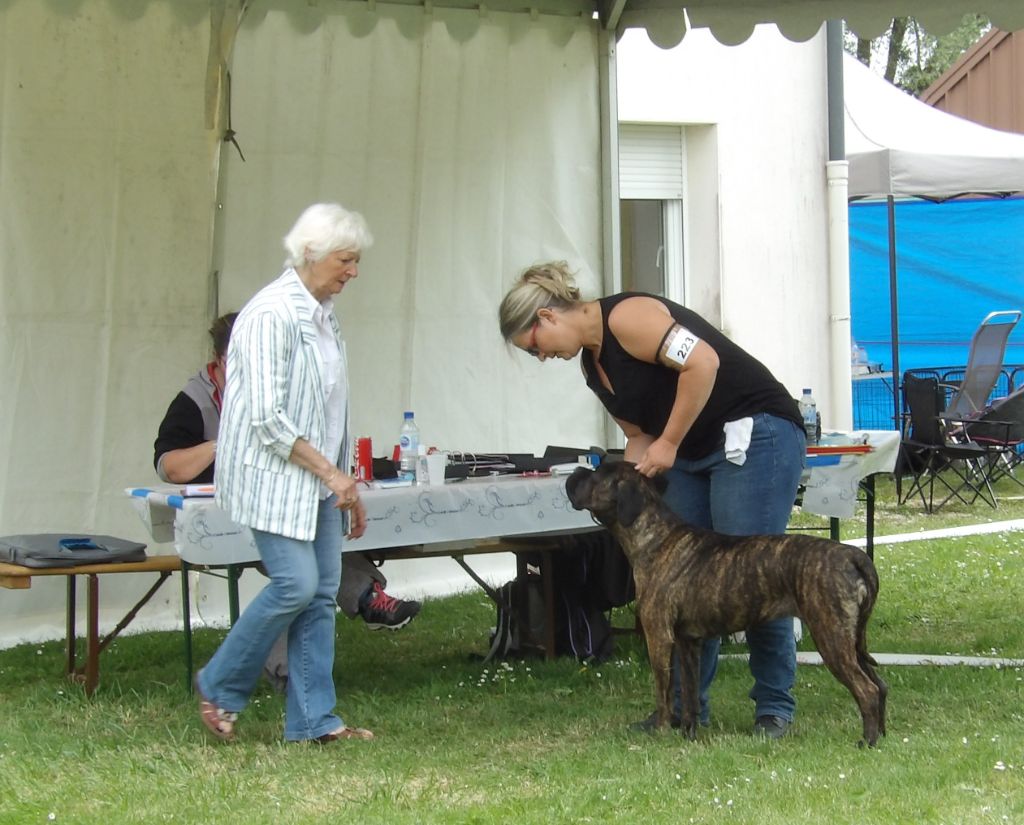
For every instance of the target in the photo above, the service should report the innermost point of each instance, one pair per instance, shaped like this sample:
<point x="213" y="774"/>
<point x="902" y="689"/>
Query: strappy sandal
<point x="344" y="732"/>
<point x="219" y="722"/>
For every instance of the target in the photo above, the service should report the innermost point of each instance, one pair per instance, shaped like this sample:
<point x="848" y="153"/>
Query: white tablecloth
<point x="463" y="511"/>
<point x="831" y="482"/>
<point x="474" y="509"/>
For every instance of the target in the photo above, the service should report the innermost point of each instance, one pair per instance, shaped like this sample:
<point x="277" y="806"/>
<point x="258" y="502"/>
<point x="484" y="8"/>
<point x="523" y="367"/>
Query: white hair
<point x="324" y="228"/>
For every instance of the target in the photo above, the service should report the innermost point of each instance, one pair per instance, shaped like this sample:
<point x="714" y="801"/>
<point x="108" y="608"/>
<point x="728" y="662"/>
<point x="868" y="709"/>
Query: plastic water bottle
<point x="809" y="413"/>
<point x="408" y="446"/>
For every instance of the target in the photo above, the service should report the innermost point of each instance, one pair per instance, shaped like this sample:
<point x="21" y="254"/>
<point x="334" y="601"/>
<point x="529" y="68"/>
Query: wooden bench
<point x="17" y="577"/>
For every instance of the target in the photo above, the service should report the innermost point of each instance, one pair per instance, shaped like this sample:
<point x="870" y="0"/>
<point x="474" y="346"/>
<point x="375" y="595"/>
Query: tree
<point x="914" y="59"/>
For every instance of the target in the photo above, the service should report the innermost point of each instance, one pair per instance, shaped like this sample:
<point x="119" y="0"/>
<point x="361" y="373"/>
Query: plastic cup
<point x="436" y="462"/>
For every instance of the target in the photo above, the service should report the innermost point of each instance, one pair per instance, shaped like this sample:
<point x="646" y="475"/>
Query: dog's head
<point x="615" y="493"/>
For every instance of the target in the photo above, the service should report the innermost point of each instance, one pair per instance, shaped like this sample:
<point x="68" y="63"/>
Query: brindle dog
<point x="694" y="584"/>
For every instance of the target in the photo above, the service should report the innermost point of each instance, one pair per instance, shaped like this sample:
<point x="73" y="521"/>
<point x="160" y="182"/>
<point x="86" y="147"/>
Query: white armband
<point x="679" y="343"/>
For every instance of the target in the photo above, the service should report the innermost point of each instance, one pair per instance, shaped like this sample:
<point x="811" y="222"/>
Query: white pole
<point x="839" y="407"/>
<point x="611" y="229"/>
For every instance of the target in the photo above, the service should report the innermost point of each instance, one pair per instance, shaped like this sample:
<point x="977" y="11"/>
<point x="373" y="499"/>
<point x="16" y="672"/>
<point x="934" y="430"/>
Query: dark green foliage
<point x="912" y="58"/>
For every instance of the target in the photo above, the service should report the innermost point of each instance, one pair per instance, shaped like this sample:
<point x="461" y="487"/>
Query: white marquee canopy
<point x="730" y="21"/>
<point x="897" y="145"/>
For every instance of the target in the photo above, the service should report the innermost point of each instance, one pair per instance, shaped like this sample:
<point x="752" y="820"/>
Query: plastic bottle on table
<point x="809" y="413"/>
<point x="408" y="445"/>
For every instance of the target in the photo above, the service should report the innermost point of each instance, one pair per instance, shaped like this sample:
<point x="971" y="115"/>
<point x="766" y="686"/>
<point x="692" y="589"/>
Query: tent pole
<point x="611" y="229"/>
<point x="894" y="318"/>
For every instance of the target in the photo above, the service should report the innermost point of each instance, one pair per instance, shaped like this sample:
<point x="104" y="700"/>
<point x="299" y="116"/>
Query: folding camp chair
<point x="929" y="457"/>
<point x="985" y="360"/>
<point x="1002" y="426"/>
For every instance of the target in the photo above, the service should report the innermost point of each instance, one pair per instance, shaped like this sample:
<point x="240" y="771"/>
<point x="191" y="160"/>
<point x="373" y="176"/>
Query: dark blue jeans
<point x="753" y="499"/>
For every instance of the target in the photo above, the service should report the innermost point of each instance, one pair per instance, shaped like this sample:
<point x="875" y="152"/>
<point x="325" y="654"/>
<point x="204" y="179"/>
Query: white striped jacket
<point x="274" y="394"/>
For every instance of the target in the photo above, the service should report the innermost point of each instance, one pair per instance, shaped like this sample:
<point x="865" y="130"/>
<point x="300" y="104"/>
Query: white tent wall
<point x="470" y="159"/>
<point x="106" y="188"/>
<point x="472" y="149"/>
<point x="764" y="102"/>
<point x="470" y="144"/>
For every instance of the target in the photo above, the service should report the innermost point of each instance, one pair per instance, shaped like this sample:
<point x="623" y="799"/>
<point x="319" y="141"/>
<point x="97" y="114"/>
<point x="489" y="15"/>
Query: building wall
<point x="986" y="85"/>
<point x="756" y="210"/>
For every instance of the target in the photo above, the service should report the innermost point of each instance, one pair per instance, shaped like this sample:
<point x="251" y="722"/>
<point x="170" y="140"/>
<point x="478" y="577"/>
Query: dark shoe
<point x="649" y="725"/>
<point x="771" y="727"/>
<point x="382" y="611"/>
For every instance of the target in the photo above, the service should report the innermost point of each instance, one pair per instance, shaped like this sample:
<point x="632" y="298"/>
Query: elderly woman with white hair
<point x="282" y="461"/>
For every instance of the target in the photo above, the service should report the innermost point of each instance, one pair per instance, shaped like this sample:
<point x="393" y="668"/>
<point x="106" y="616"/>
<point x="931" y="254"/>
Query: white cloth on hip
<point x="737" y="439"/>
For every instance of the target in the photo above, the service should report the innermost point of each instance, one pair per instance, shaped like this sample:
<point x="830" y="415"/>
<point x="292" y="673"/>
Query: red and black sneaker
<point x="383" y="612"/>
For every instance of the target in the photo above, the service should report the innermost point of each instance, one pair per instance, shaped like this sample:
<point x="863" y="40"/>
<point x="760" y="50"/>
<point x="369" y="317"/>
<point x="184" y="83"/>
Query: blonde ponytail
<point x="542" y="285"/>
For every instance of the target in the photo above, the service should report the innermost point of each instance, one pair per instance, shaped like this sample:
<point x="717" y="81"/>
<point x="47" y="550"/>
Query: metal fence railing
<point x="872" y="401"/>
<point x="872" y="392"/>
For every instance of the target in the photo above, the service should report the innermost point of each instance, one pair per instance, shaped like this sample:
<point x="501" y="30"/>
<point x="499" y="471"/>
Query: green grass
<point x="536" y="742"/>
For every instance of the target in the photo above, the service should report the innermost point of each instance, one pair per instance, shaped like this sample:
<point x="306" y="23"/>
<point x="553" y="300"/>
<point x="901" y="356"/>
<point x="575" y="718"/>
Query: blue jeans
<point x="304" y="578"/>
<point x="753" y="499"/>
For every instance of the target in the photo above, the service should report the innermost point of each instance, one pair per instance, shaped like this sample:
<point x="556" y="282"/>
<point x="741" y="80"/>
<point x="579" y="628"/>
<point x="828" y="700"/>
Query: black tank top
<point x="644" y="393"/>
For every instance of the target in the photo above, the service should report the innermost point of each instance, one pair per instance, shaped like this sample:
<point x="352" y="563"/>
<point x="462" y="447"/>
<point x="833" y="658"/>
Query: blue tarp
<point x="956" y="262"/>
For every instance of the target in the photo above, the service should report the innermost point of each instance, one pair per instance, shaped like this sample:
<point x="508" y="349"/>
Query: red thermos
<point x="364" y="459"/>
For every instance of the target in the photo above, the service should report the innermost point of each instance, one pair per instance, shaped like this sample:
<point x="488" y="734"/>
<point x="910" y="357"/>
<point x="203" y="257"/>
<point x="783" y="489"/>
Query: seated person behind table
<point x="184" y="451"/>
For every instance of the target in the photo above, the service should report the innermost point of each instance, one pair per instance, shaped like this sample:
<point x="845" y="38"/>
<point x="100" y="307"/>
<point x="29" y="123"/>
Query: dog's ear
<point x="629" y="500"/>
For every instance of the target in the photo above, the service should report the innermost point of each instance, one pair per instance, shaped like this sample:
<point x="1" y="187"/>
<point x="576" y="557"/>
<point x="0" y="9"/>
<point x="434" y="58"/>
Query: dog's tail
<point x="862" y="638"/>
<point x="868" y="595"/>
